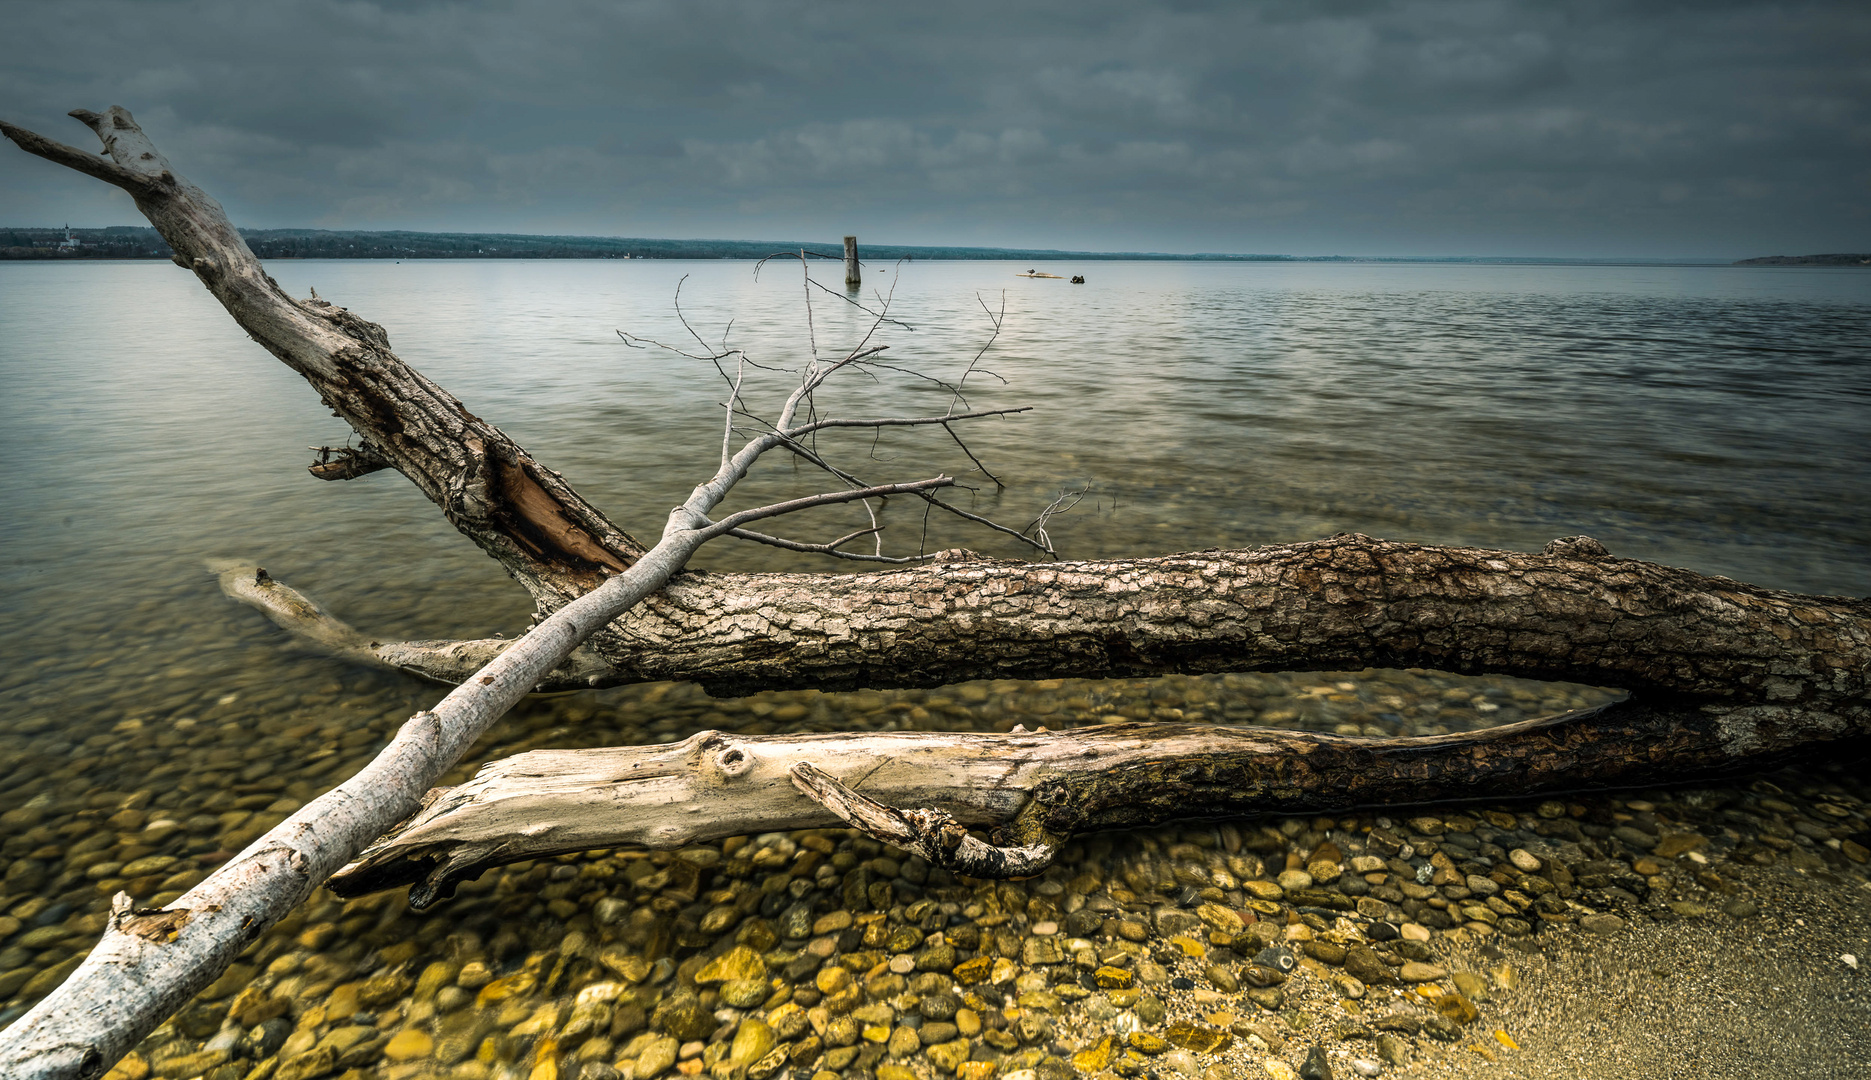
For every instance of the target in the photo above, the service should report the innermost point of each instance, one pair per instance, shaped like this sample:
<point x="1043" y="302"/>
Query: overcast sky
<point x="1548" y="127"/>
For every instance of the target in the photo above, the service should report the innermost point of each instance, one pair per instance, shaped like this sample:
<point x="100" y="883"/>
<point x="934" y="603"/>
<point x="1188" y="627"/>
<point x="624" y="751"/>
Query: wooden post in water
<point x="852" y="279"/>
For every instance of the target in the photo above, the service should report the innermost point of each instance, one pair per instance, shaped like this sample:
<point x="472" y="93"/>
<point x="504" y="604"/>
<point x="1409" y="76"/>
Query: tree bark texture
<point x="1572" y="612"/>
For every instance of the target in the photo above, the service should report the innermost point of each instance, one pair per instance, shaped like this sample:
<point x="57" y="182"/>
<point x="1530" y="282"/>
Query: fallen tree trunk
<point x="1041" y="788"/>
<point x="1570" y="613"/>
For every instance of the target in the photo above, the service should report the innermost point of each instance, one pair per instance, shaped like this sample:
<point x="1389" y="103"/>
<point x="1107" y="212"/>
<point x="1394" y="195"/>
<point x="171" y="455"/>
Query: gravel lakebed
<point x="1719" y="930"/>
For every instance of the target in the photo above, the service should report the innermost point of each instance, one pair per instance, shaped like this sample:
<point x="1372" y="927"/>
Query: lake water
<point x="1710" y="417"/>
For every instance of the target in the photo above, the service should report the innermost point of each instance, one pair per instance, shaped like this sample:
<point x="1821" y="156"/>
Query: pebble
<point x="1316" y="1066"/>
<point x="1601" y="924"/>
<point x="1414" y="971"/>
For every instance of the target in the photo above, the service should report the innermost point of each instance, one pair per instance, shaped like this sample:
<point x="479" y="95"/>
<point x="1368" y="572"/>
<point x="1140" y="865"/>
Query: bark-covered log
<point x="1041" y="788"/>
<point x="1572" y="613"/>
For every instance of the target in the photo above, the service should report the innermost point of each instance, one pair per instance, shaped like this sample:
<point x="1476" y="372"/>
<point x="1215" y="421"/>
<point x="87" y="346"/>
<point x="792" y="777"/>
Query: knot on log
<point x="734" y="761"/>
<point x="1577" y="547"/>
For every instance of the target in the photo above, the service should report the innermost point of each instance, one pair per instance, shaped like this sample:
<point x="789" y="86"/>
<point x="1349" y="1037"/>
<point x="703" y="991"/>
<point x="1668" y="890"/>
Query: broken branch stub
<point x="933" y="834"/>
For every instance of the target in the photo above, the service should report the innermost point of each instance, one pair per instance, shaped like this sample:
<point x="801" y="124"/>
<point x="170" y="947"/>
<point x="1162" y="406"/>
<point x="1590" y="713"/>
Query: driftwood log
<point x="1039" y="788"/>
<point x="1720" y="672"/>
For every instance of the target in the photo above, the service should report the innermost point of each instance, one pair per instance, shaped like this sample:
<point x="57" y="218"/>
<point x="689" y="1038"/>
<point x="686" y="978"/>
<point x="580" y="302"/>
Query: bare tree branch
<point x="345" y="462"/>
<point x="933" y="834"/>
<point x="832" y="548"/>
<point x="734" y="521"/>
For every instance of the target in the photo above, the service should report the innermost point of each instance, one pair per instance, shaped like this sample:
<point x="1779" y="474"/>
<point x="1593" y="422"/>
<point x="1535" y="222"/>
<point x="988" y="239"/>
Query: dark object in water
<point x="1078" y="279"/>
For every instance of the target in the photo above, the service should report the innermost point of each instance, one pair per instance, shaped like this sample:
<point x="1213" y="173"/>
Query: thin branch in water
<point x="973" y="365"/>
<point x="831" y="548"/>
<point x="685" y="319"/>
<point x="732" y="406"/>
<point x="906" y="421"/>
<point x="1063" y="504"/>
<point x="792" y="255"/>
<point x="990" y="523"/>
<point x="933" y="834"/>
<point x="865" y="310"/>
<point x="971" y="457"/>
<point x="735" y="521"/>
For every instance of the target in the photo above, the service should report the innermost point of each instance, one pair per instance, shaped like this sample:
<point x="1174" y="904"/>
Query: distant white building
<point x="70" y="240"/>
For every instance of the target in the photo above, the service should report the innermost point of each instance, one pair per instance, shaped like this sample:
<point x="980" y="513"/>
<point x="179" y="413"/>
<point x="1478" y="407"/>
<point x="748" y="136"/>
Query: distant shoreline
<point x="142" y="243"/>
<point x="1808" y="260"/>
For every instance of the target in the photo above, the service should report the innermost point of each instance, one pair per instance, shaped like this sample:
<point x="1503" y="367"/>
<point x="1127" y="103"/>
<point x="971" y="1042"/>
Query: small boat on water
<point x="1037" y="274"/>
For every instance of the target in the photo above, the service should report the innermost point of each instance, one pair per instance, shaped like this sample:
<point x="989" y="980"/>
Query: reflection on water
<point x="1714" y="418"/>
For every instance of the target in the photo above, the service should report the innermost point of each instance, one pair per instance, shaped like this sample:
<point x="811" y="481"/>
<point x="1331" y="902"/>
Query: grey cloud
<point x="1488" y="126"/>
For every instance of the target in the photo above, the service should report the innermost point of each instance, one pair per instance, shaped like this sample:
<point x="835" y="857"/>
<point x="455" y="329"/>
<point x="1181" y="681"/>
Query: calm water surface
<point x="1714" y="418"/>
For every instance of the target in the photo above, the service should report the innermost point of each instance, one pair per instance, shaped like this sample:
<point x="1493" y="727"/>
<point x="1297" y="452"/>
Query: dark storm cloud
<point x="1487" y="126"/>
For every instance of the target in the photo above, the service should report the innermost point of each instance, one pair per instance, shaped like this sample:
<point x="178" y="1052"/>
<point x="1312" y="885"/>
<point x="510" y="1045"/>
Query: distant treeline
<point x="141" y="242"/>
<point x="1808" y="260"/>
<point x="133" y="242"/>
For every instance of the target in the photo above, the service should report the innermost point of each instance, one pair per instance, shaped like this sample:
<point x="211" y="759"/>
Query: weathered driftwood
<point x="1039" y="788"/>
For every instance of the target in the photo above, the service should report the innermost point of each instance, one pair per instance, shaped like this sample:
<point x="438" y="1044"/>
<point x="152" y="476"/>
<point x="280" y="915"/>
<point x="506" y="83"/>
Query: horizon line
<point x="1047" y="253"/>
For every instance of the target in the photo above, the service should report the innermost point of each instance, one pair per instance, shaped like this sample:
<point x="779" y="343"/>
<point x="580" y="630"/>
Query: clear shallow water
<point x="1714" y="418"/>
